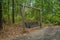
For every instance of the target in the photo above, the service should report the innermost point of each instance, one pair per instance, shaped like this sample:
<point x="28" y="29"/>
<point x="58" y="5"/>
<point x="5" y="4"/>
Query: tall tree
<point x="1" y="14"/>
<point x="8" y="14"/>
<point x="13" y="11"/>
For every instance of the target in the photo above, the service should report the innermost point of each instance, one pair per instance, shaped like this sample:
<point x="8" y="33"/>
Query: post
<point x="40" y="19"/>
<point x="41" y="11"/>
<point x="23" y="17"/>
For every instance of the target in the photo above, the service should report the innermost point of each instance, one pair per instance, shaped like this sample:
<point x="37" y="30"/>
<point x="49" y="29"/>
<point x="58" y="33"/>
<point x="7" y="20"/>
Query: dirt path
<point x="48" y="33"/>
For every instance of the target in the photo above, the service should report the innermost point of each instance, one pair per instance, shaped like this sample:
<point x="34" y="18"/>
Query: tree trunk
<point x="8" y="14"/>
<point x="1" y="14"/>
<point x="13" y="11"/>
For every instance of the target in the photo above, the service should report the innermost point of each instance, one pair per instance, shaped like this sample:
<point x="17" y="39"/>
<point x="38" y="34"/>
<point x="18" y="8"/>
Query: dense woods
<point x="21" y="17"/>
<point x="42" y="11"/>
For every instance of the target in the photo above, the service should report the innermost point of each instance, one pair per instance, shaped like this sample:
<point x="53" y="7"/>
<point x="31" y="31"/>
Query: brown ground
<point x="13" y="31"/>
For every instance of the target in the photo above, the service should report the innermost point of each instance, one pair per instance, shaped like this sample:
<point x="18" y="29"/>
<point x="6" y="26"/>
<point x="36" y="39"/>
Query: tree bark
<point x="1" y="14"/>
<point x="13" y="11"/>
<point x="8" y="14"/>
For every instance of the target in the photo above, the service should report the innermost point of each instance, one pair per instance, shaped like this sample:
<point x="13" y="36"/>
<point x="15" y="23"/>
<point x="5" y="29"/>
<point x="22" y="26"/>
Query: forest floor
<point x="14" y="31"/>
<point x="17" y="31"/>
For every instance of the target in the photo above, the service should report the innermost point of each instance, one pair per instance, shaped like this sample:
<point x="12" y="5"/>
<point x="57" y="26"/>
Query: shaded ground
<point x="48" y="33"/>
<point x="13" y="31"/>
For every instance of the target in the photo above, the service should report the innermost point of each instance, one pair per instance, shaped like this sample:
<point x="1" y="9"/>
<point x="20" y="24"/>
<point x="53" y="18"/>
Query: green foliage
<point x="50" y="10"/>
